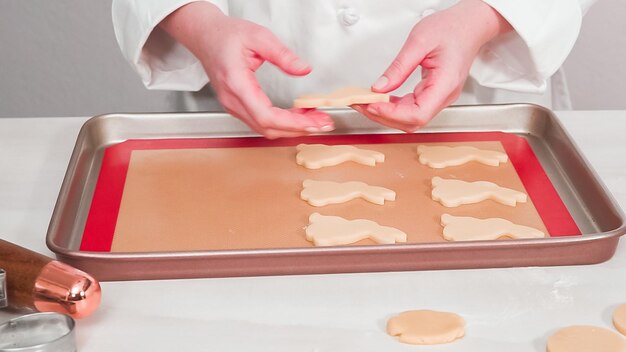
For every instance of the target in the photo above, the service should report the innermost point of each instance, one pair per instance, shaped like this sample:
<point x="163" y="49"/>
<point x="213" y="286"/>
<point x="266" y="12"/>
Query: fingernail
<point x="327" y="128"/>
<point x="300" y="65"/>
<point x="381" y="83"/>
<point x="372" y="110"/>
<point x="312" y="129"/>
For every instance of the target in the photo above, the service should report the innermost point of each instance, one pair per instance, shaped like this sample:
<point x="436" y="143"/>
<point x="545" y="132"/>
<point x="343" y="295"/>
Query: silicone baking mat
<point x="241" y="193"/>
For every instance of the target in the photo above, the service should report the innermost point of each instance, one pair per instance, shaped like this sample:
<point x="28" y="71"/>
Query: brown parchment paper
<point x="244" y="198"/>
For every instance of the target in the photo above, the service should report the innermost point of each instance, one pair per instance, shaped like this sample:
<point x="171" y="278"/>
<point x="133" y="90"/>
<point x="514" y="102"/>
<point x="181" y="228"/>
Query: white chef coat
<point x="351" y="43"/>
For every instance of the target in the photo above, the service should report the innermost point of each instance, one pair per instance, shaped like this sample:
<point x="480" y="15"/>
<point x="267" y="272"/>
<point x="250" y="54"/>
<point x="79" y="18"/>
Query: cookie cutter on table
<point x="38" y="332"/>
<point x="3" y="290"/>
<point x="589" y="203"/>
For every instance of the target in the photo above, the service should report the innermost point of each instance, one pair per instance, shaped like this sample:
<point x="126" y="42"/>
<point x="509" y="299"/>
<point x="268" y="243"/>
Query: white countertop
<point x="505" y="309"/>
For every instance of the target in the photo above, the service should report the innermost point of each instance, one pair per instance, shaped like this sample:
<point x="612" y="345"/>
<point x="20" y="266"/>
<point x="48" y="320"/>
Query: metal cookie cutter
<point x="38" y="332"/>
<point x="3" y="289"/>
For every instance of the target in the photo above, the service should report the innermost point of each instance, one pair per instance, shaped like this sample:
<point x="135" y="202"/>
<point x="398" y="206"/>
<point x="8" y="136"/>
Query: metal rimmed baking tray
<point x="595" y="213"/>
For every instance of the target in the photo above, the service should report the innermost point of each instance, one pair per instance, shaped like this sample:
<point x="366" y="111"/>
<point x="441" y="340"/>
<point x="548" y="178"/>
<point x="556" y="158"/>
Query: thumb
<point x="270" y="48"/>
<point x="407" y="60"/>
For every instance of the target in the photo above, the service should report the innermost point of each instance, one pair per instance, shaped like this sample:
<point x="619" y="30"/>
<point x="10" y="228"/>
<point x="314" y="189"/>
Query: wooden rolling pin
<point x="38" y="282"/>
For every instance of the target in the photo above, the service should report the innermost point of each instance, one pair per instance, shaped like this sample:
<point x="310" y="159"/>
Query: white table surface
<point x="505" y="309"/>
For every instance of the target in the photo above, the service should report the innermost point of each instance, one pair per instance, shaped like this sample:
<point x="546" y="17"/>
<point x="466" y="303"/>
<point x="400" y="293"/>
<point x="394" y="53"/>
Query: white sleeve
<point x="160" y="61"/>
<point x="544" y="33"/>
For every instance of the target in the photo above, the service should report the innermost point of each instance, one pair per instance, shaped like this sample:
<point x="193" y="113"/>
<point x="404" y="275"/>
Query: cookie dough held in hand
<point x="341" y="97"/>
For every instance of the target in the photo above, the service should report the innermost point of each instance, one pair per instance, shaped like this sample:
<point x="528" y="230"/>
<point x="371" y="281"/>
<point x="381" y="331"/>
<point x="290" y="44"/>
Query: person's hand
<point x="444" y="44"/>
<point x="231" y="50"/>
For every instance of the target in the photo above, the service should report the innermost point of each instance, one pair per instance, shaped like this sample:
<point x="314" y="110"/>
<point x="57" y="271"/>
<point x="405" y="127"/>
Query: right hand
<point x="231" y="50"/>
<point x="445" y="45"/>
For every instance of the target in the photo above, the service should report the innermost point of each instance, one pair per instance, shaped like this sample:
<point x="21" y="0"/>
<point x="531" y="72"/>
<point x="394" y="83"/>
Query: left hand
<point x="444" y="44"/>
<point x="231" y="50"/>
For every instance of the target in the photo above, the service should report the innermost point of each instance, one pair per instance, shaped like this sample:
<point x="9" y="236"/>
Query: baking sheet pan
<point x="596" y="215"/>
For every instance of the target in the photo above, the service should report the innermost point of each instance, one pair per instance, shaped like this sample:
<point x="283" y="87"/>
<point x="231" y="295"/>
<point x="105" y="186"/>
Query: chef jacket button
<point x="427" y="12"/>
<point x="347" y="16"/>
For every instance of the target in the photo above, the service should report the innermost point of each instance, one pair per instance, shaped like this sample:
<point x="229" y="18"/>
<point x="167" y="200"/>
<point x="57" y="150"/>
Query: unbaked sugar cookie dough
<point x="439" y="157"/>
<point x="619" y="318"/>
<point x="584" y="338"/>
<point x="342" y="97"/>
<point x="334" y="230"/>
<point x="321" y="193"/>
<point x="453" y="193"/>
<point x="465" y="228"/>
<point x="317" y="156"/>
<point x="426" y="327"/>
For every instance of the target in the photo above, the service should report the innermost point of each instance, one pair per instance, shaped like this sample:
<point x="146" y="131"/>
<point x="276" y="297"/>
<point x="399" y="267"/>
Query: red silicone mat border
<point x="102" y="217"/>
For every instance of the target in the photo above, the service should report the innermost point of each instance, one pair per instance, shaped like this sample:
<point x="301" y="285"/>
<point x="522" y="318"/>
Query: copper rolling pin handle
<point x="37" y="282"/>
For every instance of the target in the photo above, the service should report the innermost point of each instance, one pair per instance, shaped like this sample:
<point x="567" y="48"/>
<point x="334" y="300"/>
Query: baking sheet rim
<point x="64" y="252"/>
<point x="399" y="247"/>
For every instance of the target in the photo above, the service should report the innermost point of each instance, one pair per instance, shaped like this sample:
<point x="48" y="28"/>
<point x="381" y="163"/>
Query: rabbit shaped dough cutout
<point x="317" y="156"/>
<point x="439" y="157"/>
<point x="334" y="230"/>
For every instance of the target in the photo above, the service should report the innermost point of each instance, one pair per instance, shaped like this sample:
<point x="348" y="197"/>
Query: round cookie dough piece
<point x="619" y="318"/>
<point x="426" y="327"/>
<point x="585" y="338"/>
